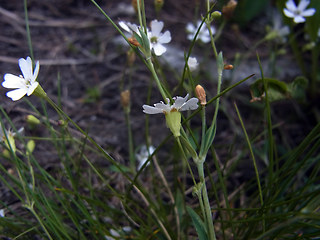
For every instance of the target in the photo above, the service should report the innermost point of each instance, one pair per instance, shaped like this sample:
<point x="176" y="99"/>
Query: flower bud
<point x="135" y="5"/>
<point x="228" y="67"/>
<point x="216" y="15"/>
<point x="32" y="121"/>
<point x="201" y="95"/>
<point x="158" y="5"/>
<point x="228" y="9"/>
<point x="125" y="99"/>
<point x="30" y="146"/>
<point x="134" y="42"/>
<point x="131" y="57"/>
<point x="6" y="153"/>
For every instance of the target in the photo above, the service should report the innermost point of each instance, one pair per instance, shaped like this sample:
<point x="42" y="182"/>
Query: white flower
<point x="1" y="212"/>
<point x="172" y="112"/>
<point x="193" y="63"/>
<point x="129" y="27"/>
<point x="319" y="32"/>
<point x="157" y="38"/>
<point x="25" y="84"/>
<point x="298" y="12"/>
<point x="143" y="155"/>
<point x="204" y="34"/>
<point x="180" y="104"/>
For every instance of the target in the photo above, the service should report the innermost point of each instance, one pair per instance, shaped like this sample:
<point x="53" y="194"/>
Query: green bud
<point x="216" y="15"/>
<point x="32" y="121"/>
<point x="10" y="142"/>
<point x="173" y="120"/>
<point x="6" y="153"/>
<point x="30" y="146"/>
<point x="158" y="5"/>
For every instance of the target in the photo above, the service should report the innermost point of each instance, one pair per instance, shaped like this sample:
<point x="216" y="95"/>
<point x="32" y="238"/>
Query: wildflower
<point x="203" y="35"/>
<point x="25" y="84"/>
<point x="172" y="112"/>
<point x="1" y="212"/>
<point x="278" y="31"/>
<point x="157" y="38"/>
<point x="143" y="155"/>
<point x="192" y="63"/>
<point x="298" y="12"/>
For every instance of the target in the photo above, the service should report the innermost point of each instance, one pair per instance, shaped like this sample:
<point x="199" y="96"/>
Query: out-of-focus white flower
<point x="319" y="32"/>
<point x="172" y="112"/>
<point x="278" y="31"/>
<point x="1" y="212"/>
<point x="25" y="83"/>
<point x="157" y="39"/>
<point x="192" y="63"/>
<point x="127" y="229"/>
<point x="204" y="34"/>
<point x="298" y="13"/>
<point x="143" y="155"/>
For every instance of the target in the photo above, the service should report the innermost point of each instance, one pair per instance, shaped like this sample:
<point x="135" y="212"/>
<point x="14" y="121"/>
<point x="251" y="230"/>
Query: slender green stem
<point x="155" y="76"/>
<point x="25" y="5"/>
<point x="204" y="127"/>
<point x="31" y="209"/>
<point x="208" y="214"/>
<point x="130" y="141"/>
<point x="139" y="13"/>
<point x="185" y="159"/>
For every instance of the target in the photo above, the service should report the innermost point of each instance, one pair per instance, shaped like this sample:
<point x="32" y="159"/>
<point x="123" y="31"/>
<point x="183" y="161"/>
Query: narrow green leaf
<point x="198" y="223"/>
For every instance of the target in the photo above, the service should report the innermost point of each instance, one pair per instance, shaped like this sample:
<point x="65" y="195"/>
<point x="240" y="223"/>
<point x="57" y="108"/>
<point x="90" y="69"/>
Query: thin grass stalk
<point x="253" y="160"/>
<point x="25" y="6"/>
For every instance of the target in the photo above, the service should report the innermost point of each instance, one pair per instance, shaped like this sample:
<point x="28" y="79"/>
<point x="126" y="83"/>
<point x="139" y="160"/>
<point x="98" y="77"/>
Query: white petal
<point x="205" y="38"/>
<point x="165" y="38"/>
<point x="36" y="71"/>
<point x="191" y="104"/>
<point x="179" y="101"/>
<point x="291" y="6"/>
<point x="190" y="28"/>
<point x="13" y="81"/>
<point x="303" y="5"/>
<point x="151" y="110"/>
<point x="32" y="88"/>
<point x="163" y="107"/>
<point x="26" y="67"/>
<point x="159" y="49"/>
<point x="124" y="26"/>
<point x="309" y="12"/>
<point x="156" y="27"/>
<point x="299" y="19"/>
<point x="288" y="13"/>
<point x="17" y="94"/>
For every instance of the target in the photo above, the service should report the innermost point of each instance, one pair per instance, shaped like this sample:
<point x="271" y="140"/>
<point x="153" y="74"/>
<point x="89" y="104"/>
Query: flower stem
<point x="205" y="199"/>
<point x="155" y="76"/>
